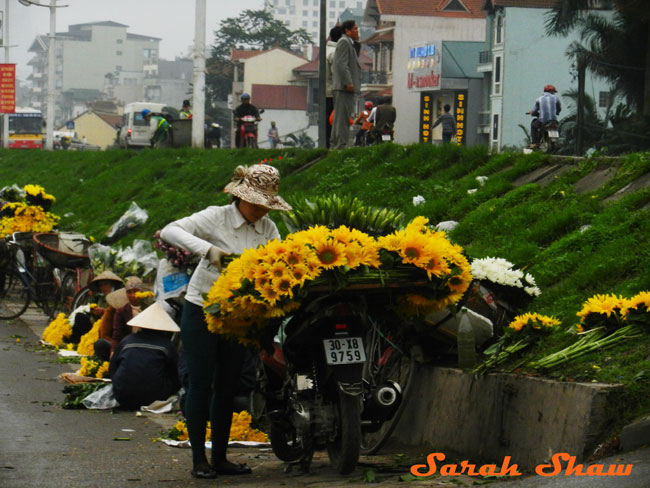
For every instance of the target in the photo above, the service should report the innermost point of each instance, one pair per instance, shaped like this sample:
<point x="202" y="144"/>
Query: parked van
<point x="135" y="131"/>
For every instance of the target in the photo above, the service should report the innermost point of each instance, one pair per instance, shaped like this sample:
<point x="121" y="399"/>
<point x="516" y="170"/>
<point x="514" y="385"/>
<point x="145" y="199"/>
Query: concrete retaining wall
<point x="488" y="417"/>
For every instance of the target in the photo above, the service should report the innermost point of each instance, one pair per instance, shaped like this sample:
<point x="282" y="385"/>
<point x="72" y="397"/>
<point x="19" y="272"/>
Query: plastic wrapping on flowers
<point x="263" y="285"/>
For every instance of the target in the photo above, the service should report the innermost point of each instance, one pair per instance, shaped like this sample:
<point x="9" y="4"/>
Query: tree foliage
<point x="617" y="50"/>
<point x="252" y="29"/>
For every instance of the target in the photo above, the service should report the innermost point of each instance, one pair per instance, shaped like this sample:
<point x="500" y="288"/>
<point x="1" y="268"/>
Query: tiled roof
<point x="379" y="36"/>
<point x="431" y="8"/>
<point x="111" y="119"/>
<point x="521" y="3"/>
<point x="280" y="97"/>
<point x="239" y="54"/>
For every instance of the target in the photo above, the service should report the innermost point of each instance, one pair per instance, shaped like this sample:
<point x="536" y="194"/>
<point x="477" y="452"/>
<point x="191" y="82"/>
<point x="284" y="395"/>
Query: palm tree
<point x="617" y="50"/>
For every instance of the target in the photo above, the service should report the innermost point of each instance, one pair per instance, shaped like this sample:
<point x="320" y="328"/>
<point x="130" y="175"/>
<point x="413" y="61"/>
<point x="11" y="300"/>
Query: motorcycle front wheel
<point x="343" y="452"/>
<point x="284" y="444"/>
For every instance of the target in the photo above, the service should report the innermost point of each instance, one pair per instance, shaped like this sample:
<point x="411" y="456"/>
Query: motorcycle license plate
<point x="385" y="137"/>
<point x="553" y="133"/>
<point x="347" y="350"/>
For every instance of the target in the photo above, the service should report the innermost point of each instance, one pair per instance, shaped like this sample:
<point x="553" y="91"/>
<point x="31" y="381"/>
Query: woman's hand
<point x="214" y="256"/>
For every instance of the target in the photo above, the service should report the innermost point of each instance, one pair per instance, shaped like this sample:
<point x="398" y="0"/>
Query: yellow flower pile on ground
<point x="57" y="330"/>
<point x="93" y="368"/>
<point x="271" y="281"/>
<point x="86" y="345"/>
<point x="30" y="215"/>
<point x="240" y="430"/>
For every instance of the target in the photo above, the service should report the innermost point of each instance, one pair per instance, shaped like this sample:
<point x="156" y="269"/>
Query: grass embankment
<point x="576" y="245"/>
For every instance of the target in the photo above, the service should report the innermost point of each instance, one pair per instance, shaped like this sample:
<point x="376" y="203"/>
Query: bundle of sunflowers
<point x="421" y="269"/>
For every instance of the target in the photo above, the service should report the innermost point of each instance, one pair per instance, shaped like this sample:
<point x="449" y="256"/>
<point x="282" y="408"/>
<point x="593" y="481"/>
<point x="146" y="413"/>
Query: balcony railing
<point x="375" y="77"/>
<point x="484" y="57"/>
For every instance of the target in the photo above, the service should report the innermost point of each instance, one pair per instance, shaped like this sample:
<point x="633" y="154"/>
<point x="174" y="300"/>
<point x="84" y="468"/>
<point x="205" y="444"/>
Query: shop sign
<point x="7" y="88"/>
<point x="423" y="66"/>
<point x="460" y="102"/>
<point x="426" y="112"/>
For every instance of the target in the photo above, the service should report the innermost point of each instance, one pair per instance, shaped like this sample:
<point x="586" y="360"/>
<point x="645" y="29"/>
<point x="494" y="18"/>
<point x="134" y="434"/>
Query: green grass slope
<point x="575" y="244"/>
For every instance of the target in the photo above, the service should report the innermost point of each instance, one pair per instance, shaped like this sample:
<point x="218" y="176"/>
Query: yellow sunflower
<point x="330" y="254"/>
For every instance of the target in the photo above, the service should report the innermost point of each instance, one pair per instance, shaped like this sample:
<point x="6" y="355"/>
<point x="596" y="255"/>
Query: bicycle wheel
<point x="386" y="364"/>
<point x="47" y="292"/>
<point x="14" y="296"/>
<point x="67" y="292"/>
<point x="83" y="297"/>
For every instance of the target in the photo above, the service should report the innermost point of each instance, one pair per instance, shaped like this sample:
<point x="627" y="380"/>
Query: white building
<point x="305" y="14"/>
<point x="99" y="56"/>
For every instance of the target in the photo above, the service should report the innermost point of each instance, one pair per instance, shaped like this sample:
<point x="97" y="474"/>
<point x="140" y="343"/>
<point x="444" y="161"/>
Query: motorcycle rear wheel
<point x="398" y="369"/>
<point x="344" y="451"/>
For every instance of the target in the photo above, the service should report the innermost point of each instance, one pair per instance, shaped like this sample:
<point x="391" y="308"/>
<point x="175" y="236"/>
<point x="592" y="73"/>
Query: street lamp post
<point x="198" y="76"/>
<point x="51" y="93"/>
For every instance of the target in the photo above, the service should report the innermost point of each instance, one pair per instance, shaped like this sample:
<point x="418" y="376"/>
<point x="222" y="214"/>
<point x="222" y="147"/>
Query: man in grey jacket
<point x="346" y="80"/>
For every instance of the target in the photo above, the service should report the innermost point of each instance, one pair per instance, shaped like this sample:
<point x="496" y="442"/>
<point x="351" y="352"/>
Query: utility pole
<point x="51" y="71"/>
<point x="5" y="42"/>
<point x="322" y="77"/>
<point x="580" y="116"/>
<point x="198" y="78"/>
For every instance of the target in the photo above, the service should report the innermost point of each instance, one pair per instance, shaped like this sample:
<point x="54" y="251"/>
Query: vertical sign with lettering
<point x="460" y="98"/>
<point x="426" y="112"/>
<point x="7" y="88"/>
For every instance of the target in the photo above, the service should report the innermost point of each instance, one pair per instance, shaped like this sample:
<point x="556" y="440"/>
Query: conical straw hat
<point x="154" y="317"/>
<point x="117" y="299"/>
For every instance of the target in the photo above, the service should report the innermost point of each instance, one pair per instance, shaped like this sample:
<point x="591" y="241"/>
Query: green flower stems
<point x="502" y="355"/>
<point x="592" y="340"/>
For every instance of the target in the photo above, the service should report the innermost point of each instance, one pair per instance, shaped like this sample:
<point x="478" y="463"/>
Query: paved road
<point x="43" y="445"/>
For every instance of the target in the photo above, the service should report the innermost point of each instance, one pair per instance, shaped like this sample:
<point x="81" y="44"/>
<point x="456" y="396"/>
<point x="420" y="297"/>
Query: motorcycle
<point x="549" y="133"/>
<point x="248" y="131"/>
<point x="329" y="383"/>
<point x="379" y="136"/>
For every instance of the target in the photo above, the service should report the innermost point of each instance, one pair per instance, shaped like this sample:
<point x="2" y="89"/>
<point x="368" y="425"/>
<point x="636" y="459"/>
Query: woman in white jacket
<point x="214" y="362"/>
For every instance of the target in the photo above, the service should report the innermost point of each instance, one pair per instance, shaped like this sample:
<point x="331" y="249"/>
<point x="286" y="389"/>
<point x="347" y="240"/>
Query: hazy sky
<point x="170" y="20"/>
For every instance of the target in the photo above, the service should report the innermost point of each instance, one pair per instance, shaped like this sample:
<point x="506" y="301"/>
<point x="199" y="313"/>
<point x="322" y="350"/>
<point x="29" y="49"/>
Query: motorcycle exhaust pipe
<point x="386" y="396"/>
<point x="383" y="402"/>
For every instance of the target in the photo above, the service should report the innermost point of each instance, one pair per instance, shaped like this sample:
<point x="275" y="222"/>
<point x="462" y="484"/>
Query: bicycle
<point x="390" y="360"/>
<point x="19" y="285"/>
<point x="395" y="357"/>
<point x="68" y="253"/>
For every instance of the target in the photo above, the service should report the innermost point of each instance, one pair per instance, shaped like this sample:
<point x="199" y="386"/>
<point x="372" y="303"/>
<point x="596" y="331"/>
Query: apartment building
<point x="305" y="14"/>
<point x="100" y="56"/>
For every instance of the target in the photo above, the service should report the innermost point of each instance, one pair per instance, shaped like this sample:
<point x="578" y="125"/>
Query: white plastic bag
<point x="171" y="282"/>
<point x="132" y="217"/>
<point x="101" y="399"/>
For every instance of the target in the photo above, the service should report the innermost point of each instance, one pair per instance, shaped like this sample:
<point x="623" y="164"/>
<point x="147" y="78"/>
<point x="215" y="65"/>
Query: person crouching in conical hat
<point x="144" y="366"/>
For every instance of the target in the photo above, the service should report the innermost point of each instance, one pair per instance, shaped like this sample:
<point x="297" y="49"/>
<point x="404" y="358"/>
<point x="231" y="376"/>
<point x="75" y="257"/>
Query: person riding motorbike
<point x="362" y="120"/>
<point x="383" y="119"/>
<point x="245" y="108"/>
<point x="547" y="108"/>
